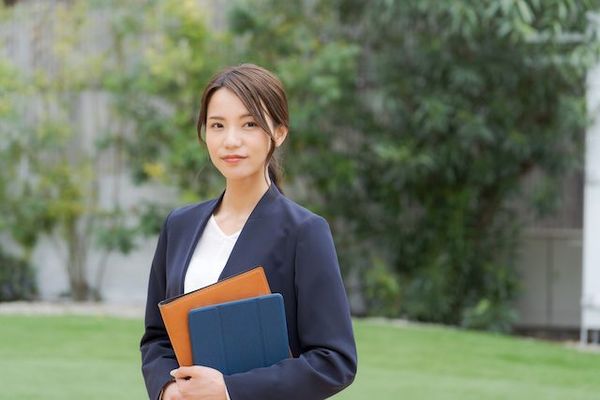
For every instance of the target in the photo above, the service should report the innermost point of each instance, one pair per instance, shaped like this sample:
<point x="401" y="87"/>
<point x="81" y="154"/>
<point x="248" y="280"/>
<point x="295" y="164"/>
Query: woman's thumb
<point x="182" y="372"/>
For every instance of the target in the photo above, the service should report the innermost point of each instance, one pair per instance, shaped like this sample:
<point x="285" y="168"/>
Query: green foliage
<point x="17" y="279"/>
<point x="50" y="179"/>
<point x="382" y="290"/>
<point x="24" y="205"/>
<point x="152" y="63"/>
<point x="496" y="317"/>
<point x="414" y="125"/>
<point x="170" y="55"/>
<point x="49" y="175"/>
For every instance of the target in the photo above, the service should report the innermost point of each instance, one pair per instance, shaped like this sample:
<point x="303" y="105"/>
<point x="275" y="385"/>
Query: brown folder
<point x="174" y="311"/>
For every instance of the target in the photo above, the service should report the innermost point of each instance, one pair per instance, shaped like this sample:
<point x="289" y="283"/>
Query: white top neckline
<point x="210" y="256"/>
<point x="213" y="221"/>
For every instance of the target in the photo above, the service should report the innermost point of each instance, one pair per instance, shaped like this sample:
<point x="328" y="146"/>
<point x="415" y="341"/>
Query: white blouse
<point x="210" y="256"/>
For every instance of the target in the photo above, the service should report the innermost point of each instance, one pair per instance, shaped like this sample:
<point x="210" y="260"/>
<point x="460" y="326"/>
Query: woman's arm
<point x="328" y="359"/>
<point x="158" y="358"/>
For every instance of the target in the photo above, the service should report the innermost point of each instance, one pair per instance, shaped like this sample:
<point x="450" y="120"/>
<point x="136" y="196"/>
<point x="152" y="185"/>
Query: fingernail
<point x="173" y="372"/>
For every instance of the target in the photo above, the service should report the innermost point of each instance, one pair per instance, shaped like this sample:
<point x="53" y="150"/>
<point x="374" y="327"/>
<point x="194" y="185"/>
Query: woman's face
<point x="236" y="144"/>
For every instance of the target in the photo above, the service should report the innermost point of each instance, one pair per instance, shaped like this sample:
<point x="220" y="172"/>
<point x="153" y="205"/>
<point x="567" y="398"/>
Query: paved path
<point x="70" y="308"/>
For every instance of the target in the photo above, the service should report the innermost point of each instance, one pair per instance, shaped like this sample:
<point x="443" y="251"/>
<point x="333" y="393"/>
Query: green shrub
<point x="17" y="279"/>
<point x="416" y="123"/>
<point x="381" y="289"/>
<point x="492" y="316"/>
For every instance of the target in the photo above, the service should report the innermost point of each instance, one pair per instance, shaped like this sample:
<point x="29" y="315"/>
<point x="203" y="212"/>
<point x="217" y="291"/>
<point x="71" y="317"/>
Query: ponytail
<point x="274" y="171"/>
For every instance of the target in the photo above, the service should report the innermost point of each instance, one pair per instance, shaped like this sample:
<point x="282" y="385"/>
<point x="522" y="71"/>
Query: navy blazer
<point x="296" y="249"/>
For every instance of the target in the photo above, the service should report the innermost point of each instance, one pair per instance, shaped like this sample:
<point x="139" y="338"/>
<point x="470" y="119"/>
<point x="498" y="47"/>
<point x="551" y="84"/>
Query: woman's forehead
<point x="226" y="104"/>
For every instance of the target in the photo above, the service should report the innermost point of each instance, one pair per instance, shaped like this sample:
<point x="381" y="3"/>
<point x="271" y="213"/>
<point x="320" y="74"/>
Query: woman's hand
<point x="204" y="383"/>
<point x="171" y="392"/>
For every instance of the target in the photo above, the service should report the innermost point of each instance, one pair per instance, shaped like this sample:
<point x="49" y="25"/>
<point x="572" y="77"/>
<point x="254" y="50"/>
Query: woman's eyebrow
<point x="223" y="119"/>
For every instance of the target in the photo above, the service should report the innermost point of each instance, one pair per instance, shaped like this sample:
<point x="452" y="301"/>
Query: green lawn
<point x="97" y="358"/>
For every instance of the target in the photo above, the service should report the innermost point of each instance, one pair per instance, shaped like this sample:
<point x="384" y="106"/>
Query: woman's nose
<point x="232" y="138"/>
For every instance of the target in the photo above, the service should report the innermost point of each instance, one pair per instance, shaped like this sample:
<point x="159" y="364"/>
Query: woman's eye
<point x="216" y="125"/>
<point x="251" y="124"/>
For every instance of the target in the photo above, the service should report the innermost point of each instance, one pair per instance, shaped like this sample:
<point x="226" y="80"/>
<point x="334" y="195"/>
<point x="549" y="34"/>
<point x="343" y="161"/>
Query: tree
<point x="17" y="280"/>
<point x="168" y="54"/>
<point x="413" y="126"/>
<point x="50" y="175"/>
<point x="440" y="116"/>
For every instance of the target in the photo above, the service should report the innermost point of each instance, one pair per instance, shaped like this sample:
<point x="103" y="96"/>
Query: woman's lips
<point x="233" y="159"/>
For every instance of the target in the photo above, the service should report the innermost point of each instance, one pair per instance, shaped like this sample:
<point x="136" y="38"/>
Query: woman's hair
<point x="262" y="94"/>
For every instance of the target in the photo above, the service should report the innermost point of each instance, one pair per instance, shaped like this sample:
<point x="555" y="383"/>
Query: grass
<point x="442" y="363"/>
<point x="98" y="358"/>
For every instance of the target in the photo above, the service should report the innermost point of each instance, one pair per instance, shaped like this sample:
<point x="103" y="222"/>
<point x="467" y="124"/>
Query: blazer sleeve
<point x="158" y="357"/>
<point x="328" y="360"/>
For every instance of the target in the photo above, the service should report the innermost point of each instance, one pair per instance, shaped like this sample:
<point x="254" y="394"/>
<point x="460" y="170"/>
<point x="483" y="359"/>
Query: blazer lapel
<point x="250" y="237"/>
<point x="203" y="217"/>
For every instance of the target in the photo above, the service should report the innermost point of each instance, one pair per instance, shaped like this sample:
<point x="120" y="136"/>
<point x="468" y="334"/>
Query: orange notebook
<point x="174" y="311"/>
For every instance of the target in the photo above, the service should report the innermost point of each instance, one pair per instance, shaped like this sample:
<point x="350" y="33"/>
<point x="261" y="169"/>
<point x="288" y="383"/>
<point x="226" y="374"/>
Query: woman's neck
<point x="241" y="196"/>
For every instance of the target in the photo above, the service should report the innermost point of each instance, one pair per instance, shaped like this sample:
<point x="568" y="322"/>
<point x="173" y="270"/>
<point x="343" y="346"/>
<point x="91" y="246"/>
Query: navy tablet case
<point x="240" y="335"/>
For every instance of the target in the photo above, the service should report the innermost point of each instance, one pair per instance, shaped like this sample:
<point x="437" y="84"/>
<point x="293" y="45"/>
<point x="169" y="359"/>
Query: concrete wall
<point x="126" y="276"/>
<point x="27" y="42"/>
<point x="550" y="277"/>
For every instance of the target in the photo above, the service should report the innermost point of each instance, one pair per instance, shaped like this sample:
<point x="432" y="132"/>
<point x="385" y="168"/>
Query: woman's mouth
<point x="232" y="159"/>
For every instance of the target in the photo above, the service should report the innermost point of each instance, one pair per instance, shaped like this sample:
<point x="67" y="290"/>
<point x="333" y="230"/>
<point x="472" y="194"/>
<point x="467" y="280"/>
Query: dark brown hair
<point x="262" y="94"/>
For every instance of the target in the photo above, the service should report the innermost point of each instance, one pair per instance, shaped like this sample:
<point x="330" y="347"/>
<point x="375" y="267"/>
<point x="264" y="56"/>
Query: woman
<point x="244" y="118"/>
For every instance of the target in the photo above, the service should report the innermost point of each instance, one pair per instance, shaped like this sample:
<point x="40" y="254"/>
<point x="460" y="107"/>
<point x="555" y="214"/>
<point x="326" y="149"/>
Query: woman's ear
<point x="280" y="135"/>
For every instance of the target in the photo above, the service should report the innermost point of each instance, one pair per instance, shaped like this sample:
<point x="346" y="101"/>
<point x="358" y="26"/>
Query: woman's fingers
<point x="195" y="371"/>
<point x="183" y="373"/>
<point x="199" y="382"/>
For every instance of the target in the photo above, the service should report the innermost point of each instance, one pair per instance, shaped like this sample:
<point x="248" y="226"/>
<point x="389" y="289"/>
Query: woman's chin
<point x="238" y="176"/>
<point x="244" y="178"/>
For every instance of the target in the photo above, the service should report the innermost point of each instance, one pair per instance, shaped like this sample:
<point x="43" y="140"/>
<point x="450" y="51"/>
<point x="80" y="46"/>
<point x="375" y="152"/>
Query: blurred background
<point x="444" y="141"/>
